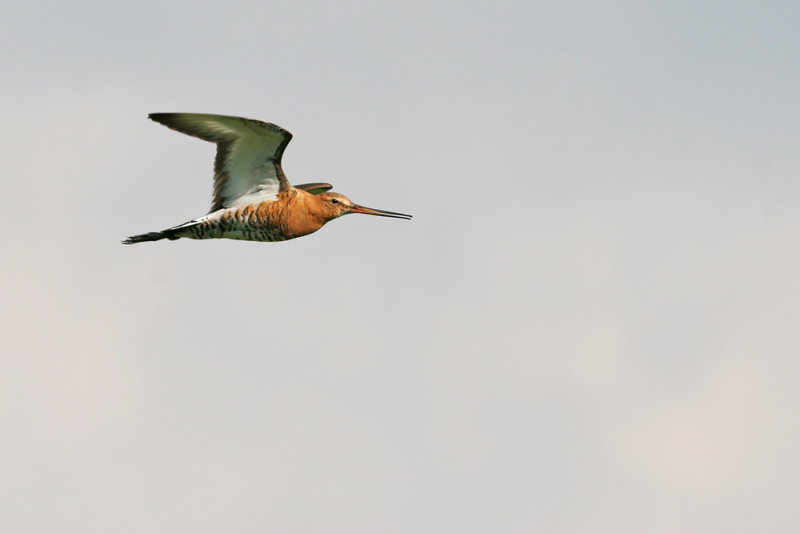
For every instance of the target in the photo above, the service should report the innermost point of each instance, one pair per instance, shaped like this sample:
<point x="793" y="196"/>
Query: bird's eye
<point x="334" y="201"/>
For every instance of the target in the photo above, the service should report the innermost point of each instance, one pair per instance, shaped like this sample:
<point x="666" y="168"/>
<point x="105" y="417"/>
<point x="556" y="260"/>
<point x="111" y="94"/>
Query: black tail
<point x="150" y="236"/>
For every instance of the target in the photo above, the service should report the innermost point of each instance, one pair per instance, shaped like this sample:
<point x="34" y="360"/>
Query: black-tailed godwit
<point x="253" y="200"/>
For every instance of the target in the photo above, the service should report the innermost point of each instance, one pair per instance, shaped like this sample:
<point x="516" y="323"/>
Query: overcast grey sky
<point x="590" y="325"/>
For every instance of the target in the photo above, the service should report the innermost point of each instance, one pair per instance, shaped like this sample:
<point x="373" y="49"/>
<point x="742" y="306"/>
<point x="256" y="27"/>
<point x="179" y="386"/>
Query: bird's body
<point x="253" y="200"/>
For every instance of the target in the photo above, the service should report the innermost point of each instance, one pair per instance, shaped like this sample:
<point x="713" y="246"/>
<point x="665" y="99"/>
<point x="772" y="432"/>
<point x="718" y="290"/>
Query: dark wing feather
<point x="315" y="188"/>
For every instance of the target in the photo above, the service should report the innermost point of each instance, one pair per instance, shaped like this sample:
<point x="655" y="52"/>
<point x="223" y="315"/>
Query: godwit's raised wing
<point x="247" y="169"/>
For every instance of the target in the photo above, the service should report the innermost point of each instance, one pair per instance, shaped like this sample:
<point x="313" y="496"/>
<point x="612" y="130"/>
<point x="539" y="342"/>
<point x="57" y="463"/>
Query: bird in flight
<point x="253" y="200"/>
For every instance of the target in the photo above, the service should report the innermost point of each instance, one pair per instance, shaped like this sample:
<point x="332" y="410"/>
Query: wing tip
<point x="162" y="118"/>
<point x="315" y="188"/>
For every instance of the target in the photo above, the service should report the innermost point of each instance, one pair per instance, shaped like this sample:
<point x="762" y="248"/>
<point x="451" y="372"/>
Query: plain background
<point x="590" y="325"/>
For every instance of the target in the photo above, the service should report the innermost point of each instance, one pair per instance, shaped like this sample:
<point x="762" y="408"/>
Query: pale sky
<point x="590" y="325"/>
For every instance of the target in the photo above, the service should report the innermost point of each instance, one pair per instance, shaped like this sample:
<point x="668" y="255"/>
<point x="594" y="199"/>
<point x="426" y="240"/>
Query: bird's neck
<point x="303" y="213"/>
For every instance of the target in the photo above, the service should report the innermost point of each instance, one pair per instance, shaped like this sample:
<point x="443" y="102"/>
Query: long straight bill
<point x="370" y="211"/>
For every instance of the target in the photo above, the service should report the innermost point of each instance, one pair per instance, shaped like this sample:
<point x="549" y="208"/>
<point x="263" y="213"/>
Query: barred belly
<point x="242" y="224"/>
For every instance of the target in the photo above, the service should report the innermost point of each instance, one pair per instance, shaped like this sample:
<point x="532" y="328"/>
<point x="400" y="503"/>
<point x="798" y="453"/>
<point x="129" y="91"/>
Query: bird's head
<point x="334" y="205"/>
